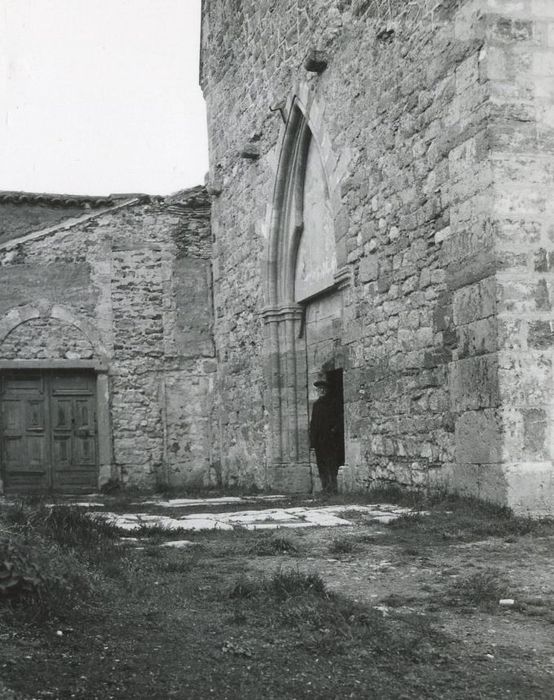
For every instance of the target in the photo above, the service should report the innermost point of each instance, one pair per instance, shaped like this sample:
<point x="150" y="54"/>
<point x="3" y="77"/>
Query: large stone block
<point x="474" y="302"/>
<point x="530" y="487"/>
<point x="485" y="481"/>
<point x="479" y="437"/>
<point x="369" y="268"/>
<point x="473" y="383"/>
<point x="478" y="338"/>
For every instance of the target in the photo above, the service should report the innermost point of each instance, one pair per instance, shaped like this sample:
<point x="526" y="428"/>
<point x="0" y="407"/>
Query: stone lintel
<point x="95" y="365"/>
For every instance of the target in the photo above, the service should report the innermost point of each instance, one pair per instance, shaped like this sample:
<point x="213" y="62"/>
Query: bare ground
<point x="409" y="610"/>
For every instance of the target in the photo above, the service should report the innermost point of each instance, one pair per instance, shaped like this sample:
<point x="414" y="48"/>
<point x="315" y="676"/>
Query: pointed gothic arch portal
<point x="303" y="316"/>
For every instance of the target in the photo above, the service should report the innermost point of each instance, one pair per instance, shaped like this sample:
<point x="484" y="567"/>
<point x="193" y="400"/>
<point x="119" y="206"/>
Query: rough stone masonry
<point x="381" y="175"/>
<point x="118" y="290"/>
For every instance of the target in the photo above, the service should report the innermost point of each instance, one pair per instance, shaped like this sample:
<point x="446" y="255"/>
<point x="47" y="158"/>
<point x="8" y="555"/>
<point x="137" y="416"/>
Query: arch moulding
<point x="283" y="316"/>
<point x="19" y="315"/>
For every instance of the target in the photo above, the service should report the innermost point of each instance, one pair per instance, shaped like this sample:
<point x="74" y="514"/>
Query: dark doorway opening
<point x="336" y="390"/>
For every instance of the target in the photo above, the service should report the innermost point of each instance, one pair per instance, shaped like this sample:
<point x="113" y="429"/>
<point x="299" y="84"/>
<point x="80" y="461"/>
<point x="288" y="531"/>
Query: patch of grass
<point x="283" y="584"/>
<point x="287" y="583"/>
<point x="47" y="579"/>
<point x="394" y="600"/>
<point x="482" y="589"/>
<point x="52" y="560"/>
<point x="66" y="525"/>
<point x="342" y="545"/>
<point x="155" y="533"/>
<point x="272" y="545"/>
<point x="245" y="587"/>
<point x="464" y="519"/>
<point x="176" y="566"/>
<point x="73" y="527"/>
<point x="327" y="623"/>
<point x="337" y="625"/>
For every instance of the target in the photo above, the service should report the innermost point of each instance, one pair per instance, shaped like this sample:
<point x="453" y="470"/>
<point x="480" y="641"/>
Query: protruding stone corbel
<point x="251" y="151"/>
<point x="343" y="277"/>
<point x="280" y="107"/>
<point x="316" y="61"/>
<point x="215" y="188"/>
<point x="386" y="34"/>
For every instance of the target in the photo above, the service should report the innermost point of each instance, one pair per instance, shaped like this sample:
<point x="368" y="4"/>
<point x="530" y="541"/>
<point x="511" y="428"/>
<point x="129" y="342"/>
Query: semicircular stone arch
<point x="306" y="259"/>
<point x="33" y="333"/>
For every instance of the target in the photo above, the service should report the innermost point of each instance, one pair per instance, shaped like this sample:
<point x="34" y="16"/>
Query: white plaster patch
<point x="77" y="504"/>
<point x="266" y="519"/>
<point x="179" y="544"/>
<point x="221" y="500"/>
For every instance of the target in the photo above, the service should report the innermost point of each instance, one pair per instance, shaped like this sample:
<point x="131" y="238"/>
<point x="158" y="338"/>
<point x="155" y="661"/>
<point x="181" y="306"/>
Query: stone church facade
<point x="381" y="174"/>
<point x="381" y="178"/>
<point x="107" y="361"/>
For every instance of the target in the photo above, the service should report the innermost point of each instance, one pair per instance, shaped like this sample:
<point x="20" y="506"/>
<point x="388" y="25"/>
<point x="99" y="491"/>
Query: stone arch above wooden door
<point x="32" y="332"/>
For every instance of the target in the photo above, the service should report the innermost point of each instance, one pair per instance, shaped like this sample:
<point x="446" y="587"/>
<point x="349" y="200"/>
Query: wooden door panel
<point x="25" y="461"/>
<point x="12" y="423"/>
<point x="36" y="452"/>
<point x="62" y="415"/>
<point x="73" y="384"/>
<point x="23" y="383"/>
<point x="74" y="434"/>
<point x="48" y="431"/>
<point x="84" y="414"/>
<point x="14" y="452"/>
<point x="61" y="451"/>
<point x="35" y="415"/>
<point x="84" y="451"/>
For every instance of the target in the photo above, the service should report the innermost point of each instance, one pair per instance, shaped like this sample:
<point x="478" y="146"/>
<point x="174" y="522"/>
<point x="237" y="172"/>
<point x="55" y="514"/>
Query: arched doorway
<point x="303" y="317"/>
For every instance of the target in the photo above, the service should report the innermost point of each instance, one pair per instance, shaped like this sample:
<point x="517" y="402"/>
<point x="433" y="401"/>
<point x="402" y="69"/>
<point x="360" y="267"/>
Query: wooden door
<point x="72" y="403"/>
<point x="48" y="432"/>
<point x="25" y="451"/>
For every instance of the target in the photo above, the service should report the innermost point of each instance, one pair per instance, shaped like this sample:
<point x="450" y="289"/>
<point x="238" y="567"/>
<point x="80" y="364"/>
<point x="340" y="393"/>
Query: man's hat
<point x="321" y="382"/>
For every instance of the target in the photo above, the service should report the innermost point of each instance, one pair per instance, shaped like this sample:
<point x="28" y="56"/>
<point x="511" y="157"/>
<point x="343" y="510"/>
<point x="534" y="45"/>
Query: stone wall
<point x="428" y="116"/>
<point x="519" y="65"/>
<point x="131" y="289"/>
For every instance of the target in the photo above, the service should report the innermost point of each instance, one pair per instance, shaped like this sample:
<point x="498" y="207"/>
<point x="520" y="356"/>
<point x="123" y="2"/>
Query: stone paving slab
<point x="270" y="518"/>
<point x="220" y="500"/>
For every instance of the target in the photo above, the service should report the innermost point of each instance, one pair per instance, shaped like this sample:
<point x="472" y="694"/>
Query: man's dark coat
<point x="325" y="433"/>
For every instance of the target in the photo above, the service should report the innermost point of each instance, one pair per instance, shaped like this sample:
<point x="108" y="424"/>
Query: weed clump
<point x="342" y="545"/>
<point x="285" y="584"/>
<point x="51" y="559"/>
<point x="19" y="576"/>
<point x="73" y="527"/>
<point x="482" y="589"/>
<point x="282" y="585"/>
<point x="272" y="546"/>
<point x="464" y="519"/>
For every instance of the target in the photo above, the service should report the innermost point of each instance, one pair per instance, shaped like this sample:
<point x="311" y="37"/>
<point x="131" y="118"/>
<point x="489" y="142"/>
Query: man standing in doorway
<point x="325" y="436"/>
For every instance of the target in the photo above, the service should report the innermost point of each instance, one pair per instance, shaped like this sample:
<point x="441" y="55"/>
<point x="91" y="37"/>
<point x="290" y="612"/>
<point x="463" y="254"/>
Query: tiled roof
<point x="28" y="213"/>
<point x="193" y="197"/>
<point x="66" y="200"/>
